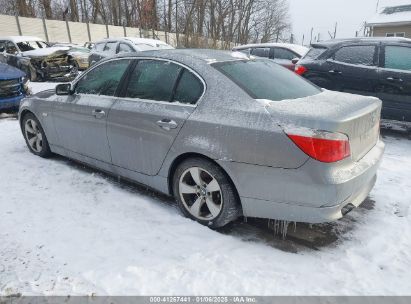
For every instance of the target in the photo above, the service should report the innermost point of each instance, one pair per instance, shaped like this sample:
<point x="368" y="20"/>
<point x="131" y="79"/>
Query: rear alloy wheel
<point x="205" y="194"/>
<point x="34" y="135"/>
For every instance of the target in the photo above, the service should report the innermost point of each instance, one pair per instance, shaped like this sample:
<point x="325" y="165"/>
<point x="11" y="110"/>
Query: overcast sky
<point x="322" y="15"/>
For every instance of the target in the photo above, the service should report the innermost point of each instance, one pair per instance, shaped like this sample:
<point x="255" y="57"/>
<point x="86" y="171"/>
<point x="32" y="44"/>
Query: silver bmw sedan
<point x="225" y="134"/>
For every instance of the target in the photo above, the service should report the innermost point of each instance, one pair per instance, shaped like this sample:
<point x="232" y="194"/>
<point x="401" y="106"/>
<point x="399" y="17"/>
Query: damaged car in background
<point x="37" y="59"/>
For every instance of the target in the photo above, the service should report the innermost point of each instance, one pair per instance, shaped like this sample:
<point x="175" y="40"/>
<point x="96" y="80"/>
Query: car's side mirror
<point x="63" y="89"/>
<point x="295" y="60"/>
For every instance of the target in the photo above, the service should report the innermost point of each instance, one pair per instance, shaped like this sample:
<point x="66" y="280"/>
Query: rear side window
<point x="110" y="47"/>
<point x="280" y="53"/>
<point x="261" y="52"/>
<point x="358" y="54"/>
<point x="315" y="52"/>
<point x="264" y="79"/>
<point x="153" y="80"/>
<point x="189" y="88"/>
<point x="104" y="79"/>
<point x="398" y="58"/>
<point x="124" y="48"/>
<point x="245" y="51"/>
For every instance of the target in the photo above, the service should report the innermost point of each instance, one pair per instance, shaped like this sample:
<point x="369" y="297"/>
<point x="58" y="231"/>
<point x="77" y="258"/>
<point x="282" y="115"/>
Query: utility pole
<point x="335" y="30"/>
<point x="311" y="37"/>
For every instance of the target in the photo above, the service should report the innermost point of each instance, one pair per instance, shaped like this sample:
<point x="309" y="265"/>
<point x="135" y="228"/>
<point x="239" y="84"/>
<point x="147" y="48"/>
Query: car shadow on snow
<point x="299" y="236"/>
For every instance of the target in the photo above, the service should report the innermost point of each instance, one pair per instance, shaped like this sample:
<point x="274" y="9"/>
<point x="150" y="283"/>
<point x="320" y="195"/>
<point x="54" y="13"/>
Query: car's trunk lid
<point x="356" y="116"/>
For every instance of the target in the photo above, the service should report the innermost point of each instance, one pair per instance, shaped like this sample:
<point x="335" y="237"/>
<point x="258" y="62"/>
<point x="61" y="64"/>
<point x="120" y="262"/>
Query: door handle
<point x="167" y="124"/>
<point x="394" y="79"/>
<point x="97" y="113"/>
<point x="335" y="72"/>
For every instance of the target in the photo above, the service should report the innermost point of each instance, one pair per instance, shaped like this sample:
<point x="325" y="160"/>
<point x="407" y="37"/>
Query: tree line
<point x="229" y="21"/>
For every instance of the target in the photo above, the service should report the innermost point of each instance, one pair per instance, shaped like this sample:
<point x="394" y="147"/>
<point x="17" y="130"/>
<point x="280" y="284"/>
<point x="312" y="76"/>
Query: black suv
<point x="378" y="67"/>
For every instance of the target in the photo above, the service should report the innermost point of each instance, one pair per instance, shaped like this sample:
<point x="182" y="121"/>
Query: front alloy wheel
<point x="34" y="135"/>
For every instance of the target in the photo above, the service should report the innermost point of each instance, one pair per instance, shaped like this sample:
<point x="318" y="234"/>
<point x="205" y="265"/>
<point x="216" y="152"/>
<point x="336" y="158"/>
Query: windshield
<point x="31" y="45"/>
<point x="264" y="79"/>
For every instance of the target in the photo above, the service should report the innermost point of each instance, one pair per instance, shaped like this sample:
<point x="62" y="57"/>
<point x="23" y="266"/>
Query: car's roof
<point x="135" y="40"/>
<point x="299" y="49"/>
<point x="330" y="43"/>
<point x="17" y="39"/>
<point x="189" y="55"/>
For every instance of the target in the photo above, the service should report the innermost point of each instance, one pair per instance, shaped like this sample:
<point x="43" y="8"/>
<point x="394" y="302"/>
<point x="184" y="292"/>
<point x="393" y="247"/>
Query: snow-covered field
<point x="66" y="229"/>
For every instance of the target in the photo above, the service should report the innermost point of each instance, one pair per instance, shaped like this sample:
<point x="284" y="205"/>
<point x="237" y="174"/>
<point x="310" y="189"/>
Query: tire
<point x="215" y="203"/>
<point x="35" y="137"/>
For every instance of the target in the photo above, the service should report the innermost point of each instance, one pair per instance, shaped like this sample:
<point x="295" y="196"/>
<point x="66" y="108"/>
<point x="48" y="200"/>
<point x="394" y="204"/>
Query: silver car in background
<point x="226" y="135"/>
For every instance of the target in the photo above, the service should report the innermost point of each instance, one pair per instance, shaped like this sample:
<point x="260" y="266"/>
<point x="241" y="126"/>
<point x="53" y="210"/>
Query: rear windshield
<point x="315" y="52"/>
<point x="264" y="79"/>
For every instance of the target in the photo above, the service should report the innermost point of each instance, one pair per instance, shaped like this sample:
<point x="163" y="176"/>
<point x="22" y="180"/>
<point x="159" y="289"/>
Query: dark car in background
<point x="379" y="67"/>
<point x="110" y="47"/>
<point x="37" y="59"/>
<point x="285" y="54"/>
<point x="12" y="88"/>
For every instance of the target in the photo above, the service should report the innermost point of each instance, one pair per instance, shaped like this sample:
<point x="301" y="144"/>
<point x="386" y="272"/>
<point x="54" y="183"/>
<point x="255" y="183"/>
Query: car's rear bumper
<point x="11" y="103"/>
<point x="313" y="193"/>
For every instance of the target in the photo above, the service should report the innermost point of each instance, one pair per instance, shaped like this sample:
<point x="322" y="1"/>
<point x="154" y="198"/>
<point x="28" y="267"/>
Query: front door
<point x="144" y="122"/>
<point x="80" y="118"/>
<point x="354" y="69"/>
<point x="395" y="81"/>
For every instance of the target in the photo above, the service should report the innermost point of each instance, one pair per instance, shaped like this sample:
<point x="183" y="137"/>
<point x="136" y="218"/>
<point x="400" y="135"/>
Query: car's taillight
<point x="300" y="70"/>
<point x="323" y="146"/>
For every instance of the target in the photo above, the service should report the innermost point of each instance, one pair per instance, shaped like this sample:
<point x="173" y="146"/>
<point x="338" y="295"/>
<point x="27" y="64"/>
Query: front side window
<point x="11" y="48"/>
<point x="99" y="47"/>
<point x="398" y="58"/>
<point x="359" y="54"/>
<point x="264" y="79"/>
<point x="153" y="80"/>
<point x="280" y="53"/>
<point x="2" y="46"/>
<point x="31" y="45"/>
<point x="110" y="47"/>
<point x="189" y="88"/>
<point x="104" y="79"/>
<point x="261" y="52"/>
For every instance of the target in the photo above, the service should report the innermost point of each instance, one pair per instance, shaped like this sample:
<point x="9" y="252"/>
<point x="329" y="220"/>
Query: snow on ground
<point x="66" y="229"/>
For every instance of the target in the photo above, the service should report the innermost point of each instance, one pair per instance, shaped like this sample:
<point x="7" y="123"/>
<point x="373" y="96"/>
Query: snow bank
<point x="65" y="230"/>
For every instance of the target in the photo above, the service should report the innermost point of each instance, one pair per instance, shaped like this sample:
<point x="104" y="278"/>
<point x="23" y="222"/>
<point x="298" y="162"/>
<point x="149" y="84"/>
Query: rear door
<point x="144" y="122"/>
<point x="354" y="69"/>
<point x="395" y="77"/>
<point x="80" y="118"/>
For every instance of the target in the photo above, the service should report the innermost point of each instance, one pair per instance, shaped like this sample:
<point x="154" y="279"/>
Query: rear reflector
<point x="323" y="146"/>
<point x="300" y="70"/>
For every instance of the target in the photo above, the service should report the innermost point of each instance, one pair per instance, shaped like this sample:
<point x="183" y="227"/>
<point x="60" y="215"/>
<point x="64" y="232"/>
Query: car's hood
<point x="9" y="72"/>
<point x="47" y="52"/>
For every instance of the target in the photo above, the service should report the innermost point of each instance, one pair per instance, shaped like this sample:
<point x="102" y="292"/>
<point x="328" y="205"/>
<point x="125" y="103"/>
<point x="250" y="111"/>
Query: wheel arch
<point x="182" y="157"/>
